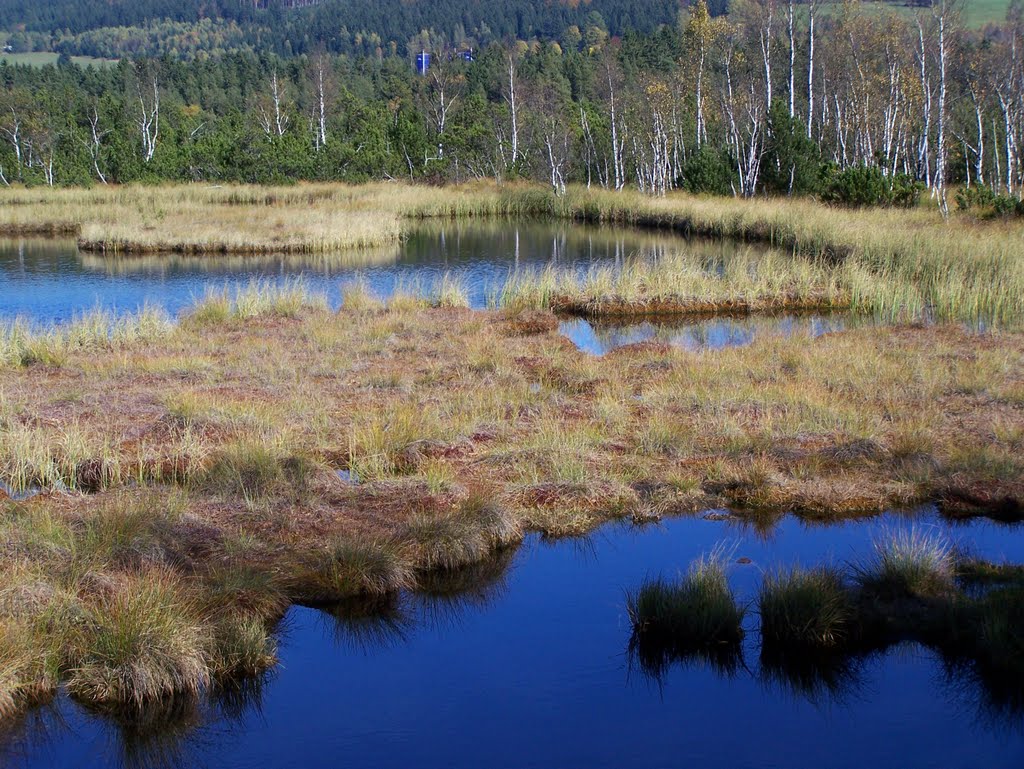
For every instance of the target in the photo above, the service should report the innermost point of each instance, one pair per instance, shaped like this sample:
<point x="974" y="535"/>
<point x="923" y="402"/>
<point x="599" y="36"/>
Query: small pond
<point x="50" y="281"/>
<point x="529" y="668"/>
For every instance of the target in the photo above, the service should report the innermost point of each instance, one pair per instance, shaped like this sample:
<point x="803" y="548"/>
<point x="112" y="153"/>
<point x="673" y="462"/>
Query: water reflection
<point x="443" y="598"/>
<point x="50" y="281"/>
<point x="163" y="265"/>
<point x="653" y="658"/>
<point x="366" y="623"/>
<point x="820" y="678"/>
<point x="165" y="735"/>
<point x="441" y="673"/>
<point x="708" y="333"/>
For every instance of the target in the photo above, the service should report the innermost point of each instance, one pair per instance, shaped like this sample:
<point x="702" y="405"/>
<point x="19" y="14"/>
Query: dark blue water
<point x="531" y="669"/>
<point x="49" y="281"/>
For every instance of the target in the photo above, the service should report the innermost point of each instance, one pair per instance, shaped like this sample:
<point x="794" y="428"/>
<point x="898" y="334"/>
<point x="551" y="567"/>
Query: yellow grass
<point x="902" y="264"/>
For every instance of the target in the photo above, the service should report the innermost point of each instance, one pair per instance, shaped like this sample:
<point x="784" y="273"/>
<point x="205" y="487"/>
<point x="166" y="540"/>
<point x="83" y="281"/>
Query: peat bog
<point x="204" y="450"/>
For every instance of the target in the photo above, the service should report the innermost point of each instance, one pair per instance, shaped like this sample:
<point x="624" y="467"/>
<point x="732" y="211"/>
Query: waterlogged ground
<point x="524" y="662"/>
<point x="529" y="668"/>
<point x="50" y="281"/>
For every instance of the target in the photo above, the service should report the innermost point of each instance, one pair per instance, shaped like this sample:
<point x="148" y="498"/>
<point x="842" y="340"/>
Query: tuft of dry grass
<point x="803" y="608"/>
<point x="259" y="299"/>
<point x="141" y="644"/>
<point x="351" y="567"/>
<point x="697" y="611"/>
<point x="23" y="345"/>
<point x="909" y="562"/>
<point x="26" y="679"/>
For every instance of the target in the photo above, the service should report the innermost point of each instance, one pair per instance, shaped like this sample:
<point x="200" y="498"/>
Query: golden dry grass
<point x="897" y="263"/>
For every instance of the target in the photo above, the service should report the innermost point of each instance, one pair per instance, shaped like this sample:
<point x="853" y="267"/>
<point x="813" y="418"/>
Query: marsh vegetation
<point x="192" y="478"/>
<point x="816" y="624"/>
<point x="906" y="265"/>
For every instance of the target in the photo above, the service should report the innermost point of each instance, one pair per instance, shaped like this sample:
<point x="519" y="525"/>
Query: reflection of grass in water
<point x="31" y="732"/>
<point x="233" y="699"/>
<point x="653" y="658"/>
<point x="167" y="734"/>
<point x="761" y="525"/>
<point x="325" y="262"/>
<point x="367" y="623"/>
<point x="160" y="736"/>
<point x="996" y="700"/>
<point x="444" y="595"/>
<point x="441" y="598"/>
<point x="819" y="678"/>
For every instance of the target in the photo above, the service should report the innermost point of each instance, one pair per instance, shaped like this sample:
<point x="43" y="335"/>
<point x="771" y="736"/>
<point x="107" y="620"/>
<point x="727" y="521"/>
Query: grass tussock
<point x="259" y="299"/>
<point x="23" y="345"/>
<point x="909" y="562"/>
<point x="355" y="567"/>
<point x="26" y="678"/>
<point x="357" y="297"/>
<point x="140" y="645"/>
<point x="254" y="472"/>
<point x="804" y="608"/>
<point x="242" y="646"/>
<point x="463" y="536"/>
<point x="819" y="625"/>
<point x="697" y="611"/>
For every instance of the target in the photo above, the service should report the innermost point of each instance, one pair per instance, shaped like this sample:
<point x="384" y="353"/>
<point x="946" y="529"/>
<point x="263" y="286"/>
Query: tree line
<point x="852" y="105"/>
<point x="287" y="28"/>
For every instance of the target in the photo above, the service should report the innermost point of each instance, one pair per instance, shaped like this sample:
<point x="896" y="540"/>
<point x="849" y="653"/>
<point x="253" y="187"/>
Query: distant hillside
<point x="286" y="27"/>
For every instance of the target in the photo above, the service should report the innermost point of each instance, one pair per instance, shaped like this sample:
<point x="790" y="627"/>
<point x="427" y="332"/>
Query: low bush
<point x="862" y="186"/>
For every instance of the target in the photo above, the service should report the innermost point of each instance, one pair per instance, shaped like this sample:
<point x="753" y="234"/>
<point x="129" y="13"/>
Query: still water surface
<point x="50" y="281"/>
<point x="530" y="669"/>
